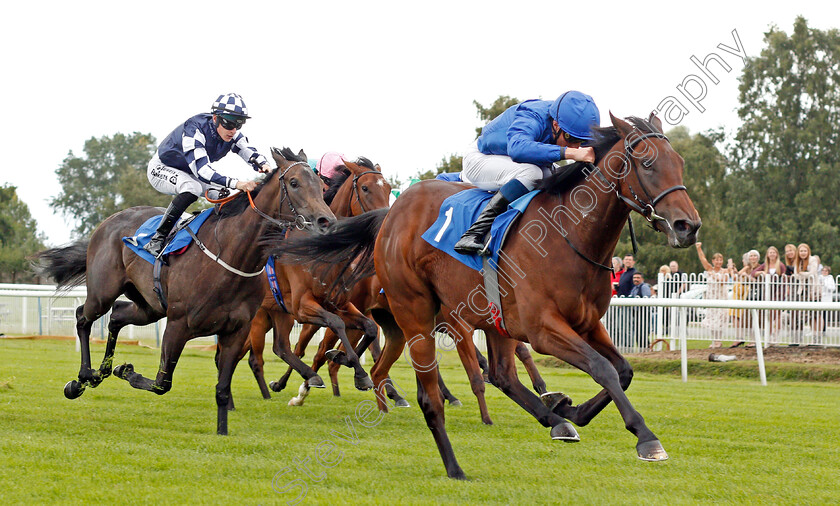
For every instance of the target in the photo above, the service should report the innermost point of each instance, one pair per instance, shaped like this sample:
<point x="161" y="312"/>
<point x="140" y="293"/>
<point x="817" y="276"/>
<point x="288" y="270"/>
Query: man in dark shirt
<point x="625" y="283"/>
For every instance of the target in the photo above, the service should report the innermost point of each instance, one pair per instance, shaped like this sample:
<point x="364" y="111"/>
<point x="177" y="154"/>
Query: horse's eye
<point x="293" y="183"/>
<point x="364" y="188"/>
<point x="647" y="163"/>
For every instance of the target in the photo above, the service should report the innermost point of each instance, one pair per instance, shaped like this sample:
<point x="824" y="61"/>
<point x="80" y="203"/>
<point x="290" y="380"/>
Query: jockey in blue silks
<point x="517" y="149"/>
<point x="181" y="165"/>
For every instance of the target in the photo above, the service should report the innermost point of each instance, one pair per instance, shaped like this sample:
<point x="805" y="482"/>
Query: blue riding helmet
<point x="576" y="113"/>
<point x="230" y="104"/>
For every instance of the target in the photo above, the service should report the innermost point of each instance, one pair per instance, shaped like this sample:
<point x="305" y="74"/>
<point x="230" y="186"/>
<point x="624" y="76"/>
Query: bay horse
<point x="361" y="189"/>
<point x="203" y="298"/>
<point x="573" y="227"/>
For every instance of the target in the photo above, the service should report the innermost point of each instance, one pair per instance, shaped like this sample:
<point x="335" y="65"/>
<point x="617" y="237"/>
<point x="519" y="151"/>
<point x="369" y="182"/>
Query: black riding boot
<point x="176" y="208"/>
<point x="472" y="242"/>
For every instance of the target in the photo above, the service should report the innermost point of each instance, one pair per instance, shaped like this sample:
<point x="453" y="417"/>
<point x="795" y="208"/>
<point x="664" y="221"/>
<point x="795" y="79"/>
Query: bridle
<point x="356" y="191"/>
<point x="646" y="209"/>
<point x="300" y="222"/>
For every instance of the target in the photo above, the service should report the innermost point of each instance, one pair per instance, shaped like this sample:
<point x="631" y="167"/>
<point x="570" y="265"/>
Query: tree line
<point x="775" y="182"/>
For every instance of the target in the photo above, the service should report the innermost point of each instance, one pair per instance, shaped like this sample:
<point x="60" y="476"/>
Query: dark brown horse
<point x="203" y="297"/>
<point x="575" y="227"/>
<point x="305" y="297"/>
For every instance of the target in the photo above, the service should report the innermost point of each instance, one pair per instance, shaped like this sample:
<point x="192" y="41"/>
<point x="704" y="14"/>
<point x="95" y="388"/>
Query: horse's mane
<point x="605" y="139"/>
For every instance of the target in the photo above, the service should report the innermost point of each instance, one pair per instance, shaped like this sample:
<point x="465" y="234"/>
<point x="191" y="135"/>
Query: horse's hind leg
<point x="394" y="346"/>
<point x="75" y="388"/>
<point x="503" y="375"/>
<point x="467" y="352"/>
<point x="524" y="356"/>
<point x="453" y="401"/>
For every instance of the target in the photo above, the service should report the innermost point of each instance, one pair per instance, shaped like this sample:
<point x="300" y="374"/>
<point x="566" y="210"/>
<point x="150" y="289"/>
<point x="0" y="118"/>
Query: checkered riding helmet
<point x="230" y="104"/>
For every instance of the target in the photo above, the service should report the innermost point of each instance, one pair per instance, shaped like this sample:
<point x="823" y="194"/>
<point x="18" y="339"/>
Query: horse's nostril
<point x="685" y="226"/>
<point x="324" y="222"/>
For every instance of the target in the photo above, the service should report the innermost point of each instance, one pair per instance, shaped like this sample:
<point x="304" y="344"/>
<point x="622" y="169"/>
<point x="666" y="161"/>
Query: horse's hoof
<point x="122" y="370"/>
<point x="487" y="421"/>
<point x="73" y="389"/>
<point x="338" y="357"/>
<point x="554" y="399"/>
<point x="651" y="451"/>
<point x="295" y="401"/>
<point x="276" y="386"/>
<point x="315" y="382"/>
<point x="564" y="431"/>
<point x="401" y="403"/>
<point x="363" y="383"/>
<point x="455" y="404"/>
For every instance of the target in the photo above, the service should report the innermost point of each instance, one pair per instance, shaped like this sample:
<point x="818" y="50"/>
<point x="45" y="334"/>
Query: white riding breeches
<point x="491" y="172"/>
<point x="172" y="181"/>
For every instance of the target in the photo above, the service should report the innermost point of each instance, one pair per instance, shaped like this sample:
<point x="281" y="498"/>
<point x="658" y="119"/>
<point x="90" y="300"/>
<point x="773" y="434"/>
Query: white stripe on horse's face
<point x="380" y="182"/>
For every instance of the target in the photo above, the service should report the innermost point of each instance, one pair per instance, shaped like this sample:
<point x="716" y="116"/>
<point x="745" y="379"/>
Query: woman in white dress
<point x="715" y="319"/>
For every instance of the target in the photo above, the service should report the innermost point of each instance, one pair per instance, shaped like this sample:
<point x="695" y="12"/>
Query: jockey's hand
<point x="265" y="168"/>
<point x="246" y="185"/>
<point x="586" y="154"/>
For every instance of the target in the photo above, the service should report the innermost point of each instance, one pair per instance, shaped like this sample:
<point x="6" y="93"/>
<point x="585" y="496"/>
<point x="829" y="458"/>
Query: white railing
<point x="38" y="310"/>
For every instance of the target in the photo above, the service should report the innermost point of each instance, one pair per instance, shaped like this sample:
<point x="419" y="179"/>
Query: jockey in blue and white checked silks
<point x="182" y="166"/>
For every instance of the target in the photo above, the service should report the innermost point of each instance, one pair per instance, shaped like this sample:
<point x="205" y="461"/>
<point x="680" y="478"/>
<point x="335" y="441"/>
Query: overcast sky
<point x="393" y="81"/>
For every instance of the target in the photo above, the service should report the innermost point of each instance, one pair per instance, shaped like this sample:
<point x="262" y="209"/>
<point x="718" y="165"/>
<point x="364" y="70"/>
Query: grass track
<point x="729" y="440"/>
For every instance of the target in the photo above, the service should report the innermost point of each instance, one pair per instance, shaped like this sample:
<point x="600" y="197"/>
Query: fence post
<point x="660" y="311"/>
<point x="23" y="315"/>
<point x="684" y="343"/>
<point x="759" y="350"/>
<point x="40" y="319"/>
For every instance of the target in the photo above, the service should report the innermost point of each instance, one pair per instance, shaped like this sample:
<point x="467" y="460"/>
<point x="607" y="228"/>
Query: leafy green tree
<point x="18" y="236"/>
<point x="786" y="171"/>
<point x="111" y="176"/>
<point x="489" y="113"/>
<point x="455" y="163"/>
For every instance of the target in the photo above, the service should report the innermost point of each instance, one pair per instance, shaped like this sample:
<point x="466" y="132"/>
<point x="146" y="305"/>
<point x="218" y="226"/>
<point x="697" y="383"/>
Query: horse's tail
<point x="66" y="265"/>
<point x="347" y="247"/>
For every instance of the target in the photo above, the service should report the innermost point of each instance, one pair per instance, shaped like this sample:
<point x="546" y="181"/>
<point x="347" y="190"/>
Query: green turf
<point x="730" y="440"/>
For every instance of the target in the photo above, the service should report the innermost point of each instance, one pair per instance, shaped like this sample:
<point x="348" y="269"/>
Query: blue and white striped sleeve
<point x="247" y="152"/>
<point x="193" y="142"/>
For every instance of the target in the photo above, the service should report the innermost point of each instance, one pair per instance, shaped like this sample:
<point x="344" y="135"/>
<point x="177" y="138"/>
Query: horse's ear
<point x="622" y="126"/>
<point x="278" y="156"/>
<point x="655" y="121"/>
<point x="377" y="167"/>
<point x="302" y="155"/>
<point x="353" y="168"/>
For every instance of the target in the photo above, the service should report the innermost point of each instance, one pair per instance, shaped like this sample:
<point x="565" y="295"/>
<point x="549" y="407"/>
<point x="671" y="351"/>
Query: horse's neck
<point x="341" y="203"/>
<point x="593" y="228"/>
<point x="241" y="233"/>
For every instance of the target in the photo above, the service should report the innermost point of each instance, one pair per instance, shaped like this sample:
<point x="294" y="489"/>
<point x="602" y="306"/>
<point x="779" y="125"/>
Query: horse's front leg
<point x="558" y="339"/>
<point x="174" y="338"/>
<point x="311" y="311"/>
<point x="283" y="323"/>
<point x="583" y="413"/>
<point x="228" y="356"/>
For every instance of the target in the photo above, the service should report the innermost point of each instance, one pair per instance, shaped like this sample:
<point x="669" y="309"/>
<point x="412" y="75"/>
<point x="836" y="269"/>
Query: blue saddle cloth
<point x="454" y="177"/>
<point x="147" y="230"/>
<point x="460" y="211"/>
